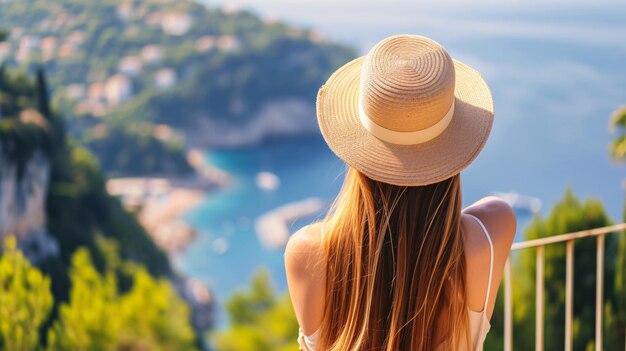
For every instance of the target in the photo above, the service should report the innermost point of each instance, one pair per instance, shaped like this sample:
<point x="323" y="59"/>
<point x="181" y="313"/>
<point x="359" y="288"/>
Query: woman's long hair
<point x="395" y="267"/>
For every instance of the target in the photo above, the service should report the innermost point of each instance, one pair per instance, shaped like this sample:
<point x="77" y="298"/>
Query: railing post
<point x="599" y="290"/>
<point x="569" y="292"/>
<point x="508" y="307"/>
<point x="539" y="279"/>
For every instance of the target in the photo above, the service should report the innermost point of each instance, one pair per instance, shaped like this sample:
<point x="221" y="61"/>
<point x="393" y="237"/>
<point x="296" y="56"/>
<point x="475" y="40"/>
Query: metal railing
<point x="540" y="244"/>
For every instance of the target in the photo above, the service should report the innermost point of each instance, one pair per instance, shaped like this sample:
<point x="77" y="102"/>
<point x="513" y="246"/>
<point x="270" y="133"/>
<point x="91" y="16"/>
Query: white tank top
<point x="478" y="321"/>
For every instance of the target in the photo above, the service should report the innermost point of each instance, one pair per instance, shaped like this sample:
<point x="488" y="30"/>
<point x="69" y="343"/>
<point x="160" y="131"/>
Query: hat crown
<point x="407" y="83"/>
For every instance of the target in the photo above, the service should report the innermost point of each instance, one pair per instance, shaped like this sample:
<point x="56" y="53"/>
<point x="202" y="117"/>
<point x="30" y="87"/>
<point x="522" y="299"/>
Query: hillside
<point x="217" y="77"/>
<point x="55" y="203"/>
<point x="76" y="207"/>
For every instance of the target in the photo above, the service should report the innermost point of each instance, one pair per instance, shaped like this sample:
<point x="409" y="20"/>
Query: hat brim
<point x="408" y="165"/>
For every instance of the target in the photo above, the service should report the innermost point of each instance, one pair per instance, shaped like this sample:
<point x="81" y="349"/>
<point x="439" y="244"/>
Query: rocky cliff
<point x="23" y="205"/>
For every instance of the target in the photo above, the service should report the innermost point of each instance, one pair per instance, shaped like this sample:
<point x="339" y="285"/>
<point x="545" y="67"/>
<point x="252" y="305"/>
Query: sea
<point x="557" y="71"/>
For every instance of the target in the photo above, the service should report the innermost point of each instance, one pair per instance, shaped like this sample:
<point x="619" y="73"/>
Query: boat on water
<point x="520" y="202"/>
<point x="272" y="228"/>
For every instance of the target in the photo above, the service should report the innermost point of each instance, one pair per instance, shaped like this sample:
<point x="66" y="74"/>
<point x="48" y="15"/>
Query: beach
<point x="161" y="201"/>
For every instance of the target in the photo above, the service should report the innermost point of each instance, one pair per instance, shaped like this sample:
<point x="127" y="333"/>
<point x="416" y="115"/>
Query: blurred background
<point x="155" y="156"/>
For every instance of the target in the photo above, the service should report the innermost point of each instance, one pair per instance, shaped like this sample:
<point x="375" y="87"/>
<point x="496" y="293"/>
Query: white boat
<point x="267" y="181"/>
<point x="272" y="228"/>
<point x="520" y="202"/>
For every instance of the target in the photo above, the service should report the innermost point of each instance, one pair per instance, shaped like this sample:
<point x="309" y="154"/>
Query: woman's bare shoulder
<point x="497" y="216"/>
<point x="303" y="251"/>
<point x="305" y="268"/>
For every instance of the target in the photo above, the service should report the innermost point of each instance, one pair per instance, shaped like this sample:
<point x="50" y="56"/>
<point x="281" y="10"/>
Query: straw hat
<point x="406" y="113"/>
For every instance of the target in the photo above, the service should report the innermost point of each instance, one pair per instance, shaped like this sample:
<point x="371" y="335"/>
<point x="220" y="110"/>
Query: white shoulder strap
<point x="490" y="260"/>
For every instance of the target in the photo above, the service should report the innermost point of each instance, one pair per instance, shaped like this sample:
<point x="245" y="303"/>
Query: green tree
<point x="87" y="322"/>
<point x="568" y="215"/>
<point x="150" y="316"/>
<point x="259" y="320"/>
<point x="25" y="300"/>
<point x="43" y="101"/>
<point x="617" y="149"/>
<point x="153" y="316"/>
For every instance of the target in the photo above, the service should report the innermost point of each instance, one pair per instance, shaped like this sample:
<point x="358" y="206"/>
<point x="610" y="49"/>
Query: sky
<point x="366" y="22"/>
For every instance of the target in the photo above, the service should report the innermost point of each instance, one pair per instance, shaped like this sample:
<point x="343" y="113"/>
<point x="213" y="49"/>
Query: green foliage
<point x="150" y="316"/>
<point x="568" y="215"/>
<point x="115" y="303"/>
<point x="154" y="316"/>
<point x="25" y="300"/>
<point x="133" y="149"/>
<point x="43" y="101"/>
<point x="259" y="320"/>
<point x="86" y="324"/>
<point x="78" y="208"/>
<point x="21" y="138"/>
<point x="20" y="141"/>
<point x="617" y="149"/>
<point x="237" y="86"/>
<point x="620" y="284"/>
<point x="244" y="307"/>
<point x="16" y="90"/>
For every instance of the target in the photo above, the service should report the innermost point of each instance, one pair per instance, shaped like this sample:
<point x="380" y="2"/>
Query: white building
<point x="22" y="55"/>
<point x="75" y="91"/>
<point x="130" y="65"/>
<point x="153" y="18"/>
<point x="5" y="50"/>
<point x="176" y="23"/>
<point x="165" y="78"/>
<point x="93" y="107"/>
<point x="67" y="50"/>
<point x="205" y="43"/>
<point x="117" y="89"/>
<point x="75" y="38"/>
<point x="96" y="92"/>
<point x="48" y="46"/>
<point x="124" y="11"/>
<point x="228" y="43"/>
<point x="151" y="53"/>
<point x="29" y="42"/>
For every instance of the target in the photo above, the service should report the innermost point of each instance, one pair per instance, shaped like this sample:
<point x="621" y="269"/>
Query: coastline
<point x="159" y="203"/>
<point x="161" y="218"/>
<point x="161" y="200"/>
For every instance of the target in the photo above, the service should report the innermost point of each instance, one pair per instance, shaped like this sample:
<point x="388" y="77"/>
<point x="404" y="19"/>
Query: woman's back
<point x="398" y="265"/>
<point x="486" y="251"/>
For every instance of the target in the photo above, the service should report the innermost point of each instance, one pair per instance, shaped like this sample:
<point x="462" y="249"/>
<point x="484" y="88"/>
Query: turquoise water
<point x="305" y="167"/>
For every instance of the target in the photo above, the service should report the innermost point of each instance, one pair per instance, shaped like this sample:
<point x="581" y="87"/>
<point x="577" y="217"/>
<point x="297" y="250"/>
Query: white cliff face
<point x="276" y="118"/>
<point x="23" y="206"/>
